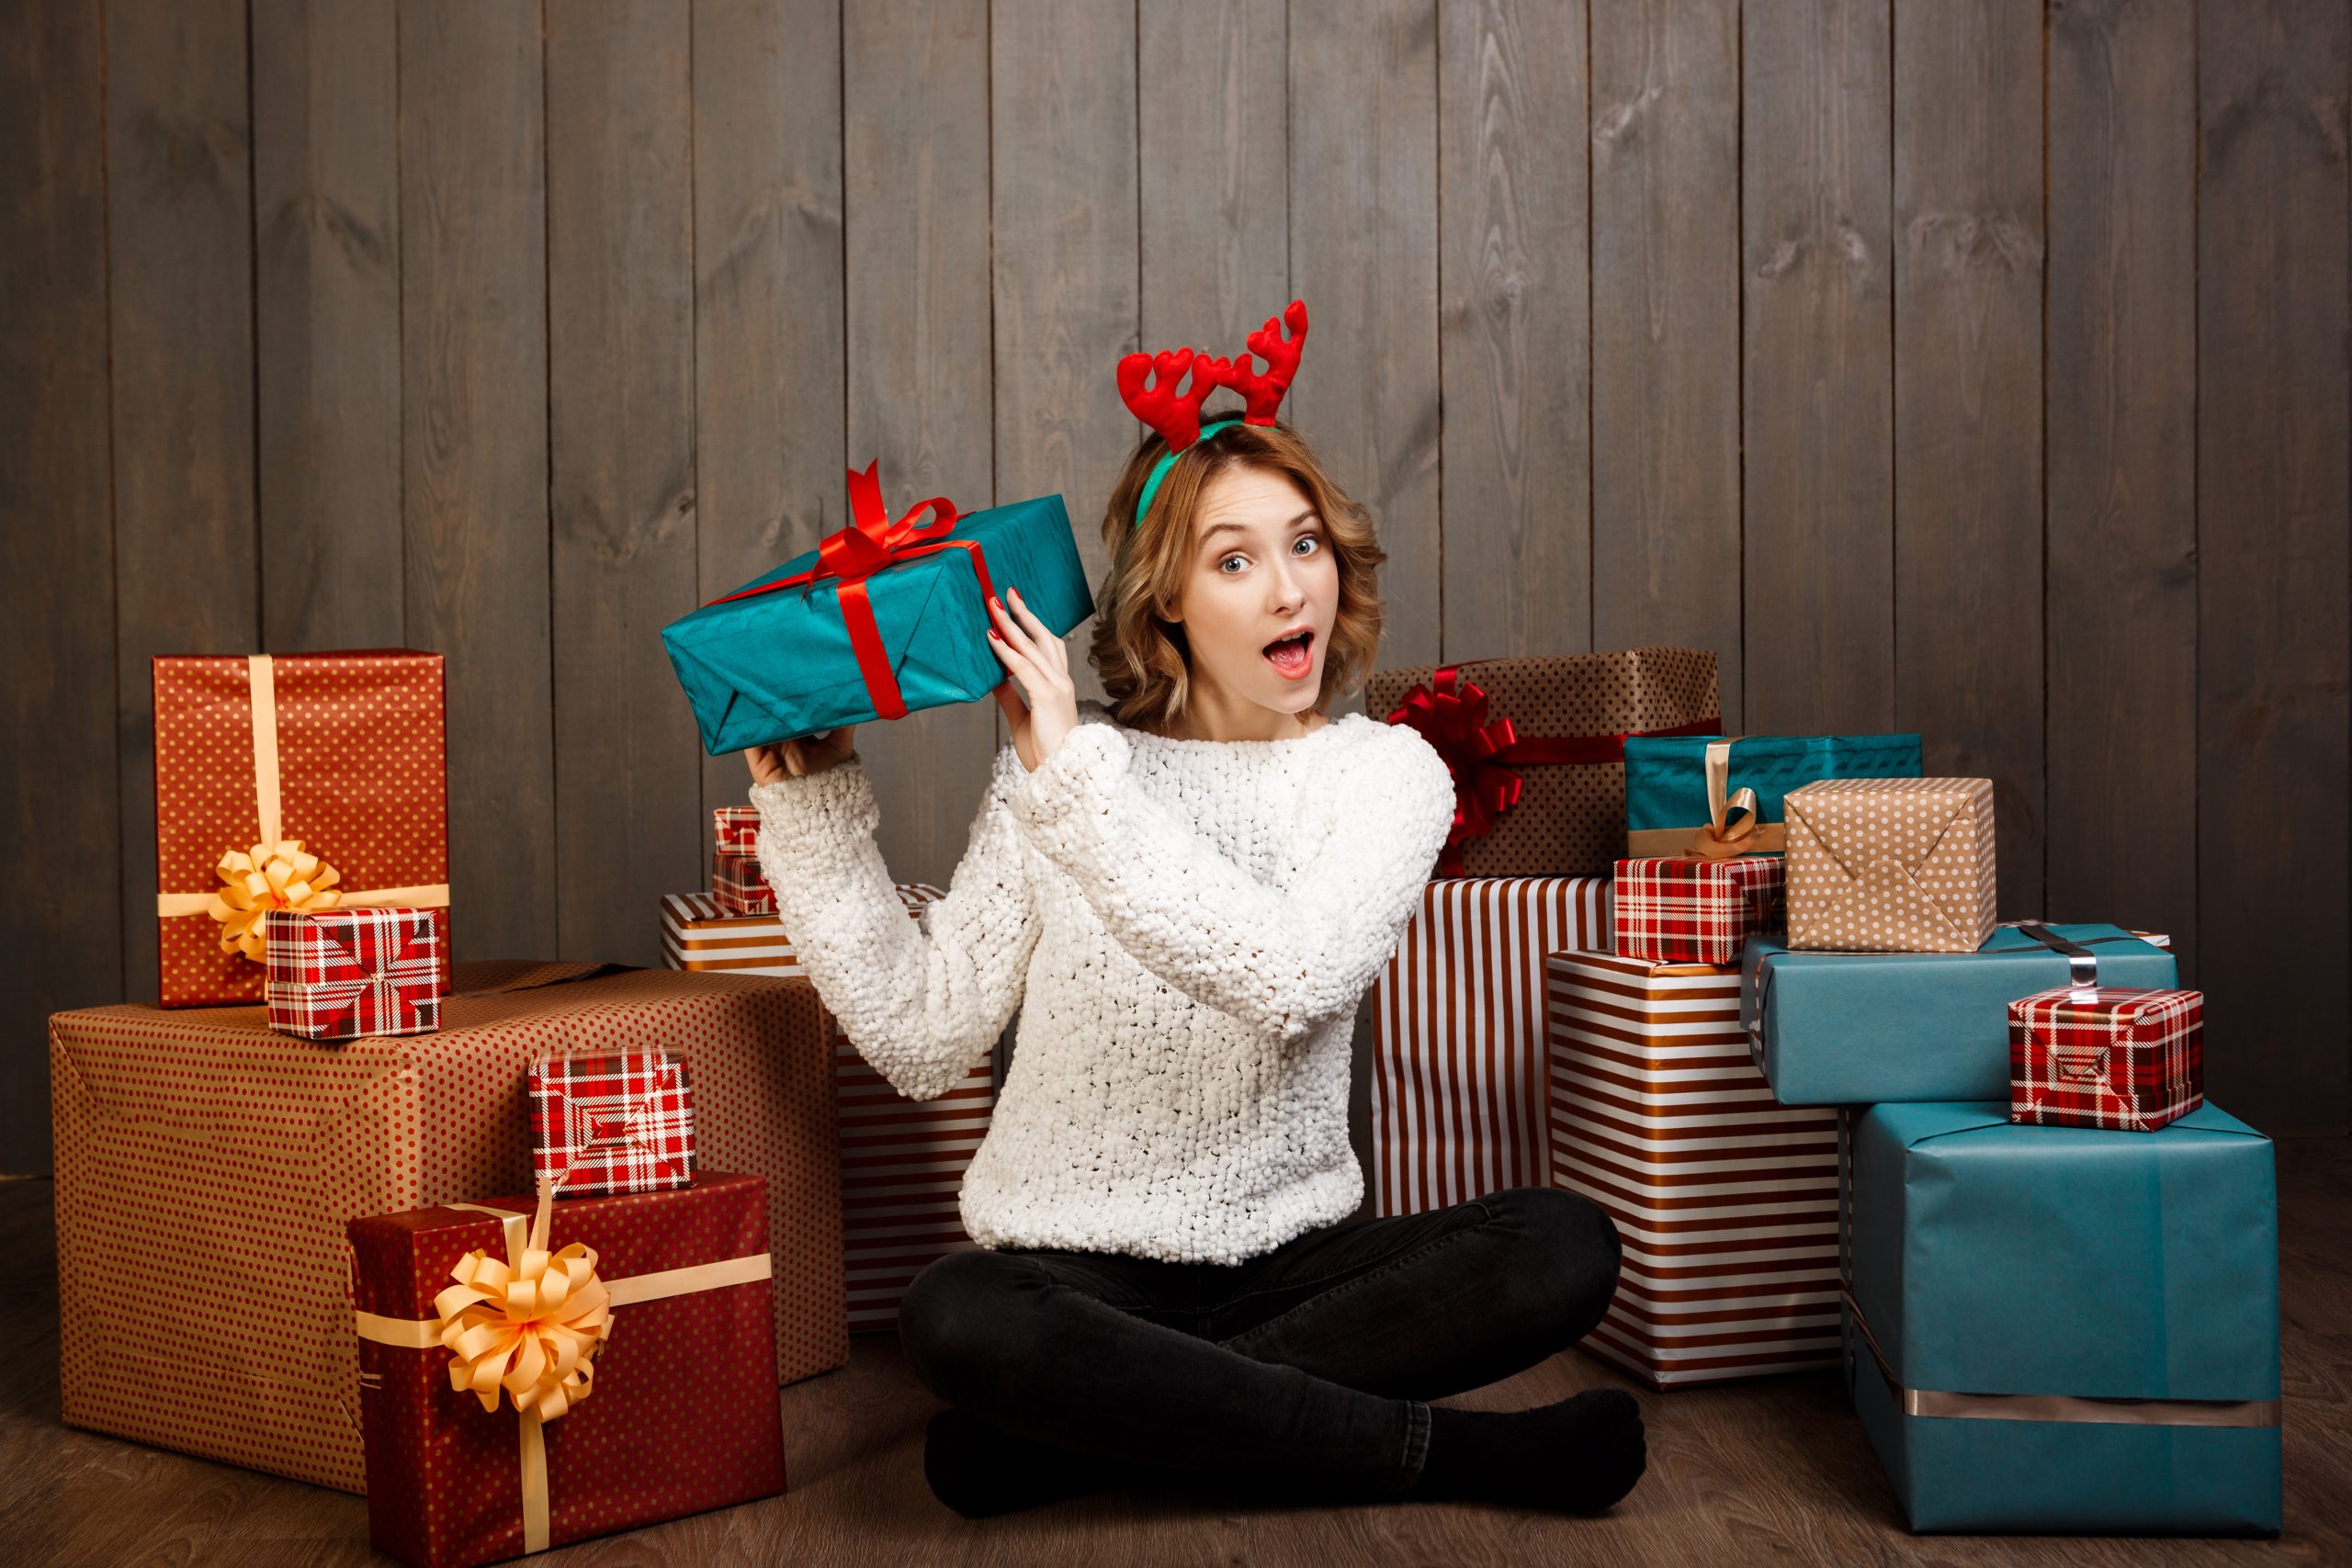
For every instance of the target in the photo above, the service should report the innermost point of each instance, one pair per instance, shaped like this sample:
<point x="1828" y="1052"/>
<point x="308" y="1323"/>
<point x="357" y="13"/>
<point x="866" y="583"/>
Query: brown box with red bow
<point x="533" y="1373"/>
<point x="308" y="782"/>
<point x="1537" y="747"/>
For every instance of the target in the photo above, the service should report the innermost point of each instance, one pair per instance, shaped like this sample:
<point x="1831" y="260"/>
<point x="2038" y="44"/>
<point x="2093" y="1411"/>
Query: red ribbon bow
<point x="1451" y="714"/>
<point x="871" y="544"/>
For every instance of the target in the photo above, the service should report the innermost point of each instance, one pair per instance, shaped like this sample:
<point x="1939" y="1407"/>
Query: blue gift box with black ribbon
<point x="1860" y="1027"/>
<point x="2065" y="1330"/>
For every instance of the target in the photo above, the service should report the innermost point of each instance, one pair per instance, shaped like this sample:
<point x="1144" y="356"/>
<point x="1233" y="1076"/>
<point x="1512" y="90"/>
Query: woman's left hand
<point x="1037" y="659"/>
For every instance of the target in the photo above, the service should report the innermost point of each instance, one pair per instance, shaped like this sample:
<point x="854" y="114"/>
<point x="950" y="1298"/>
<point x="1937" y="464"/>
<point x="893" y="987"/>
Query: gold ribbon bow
<point x="278" y="872"/>
<point x="1732" y="828"/>
<point x="531" y="1326"/>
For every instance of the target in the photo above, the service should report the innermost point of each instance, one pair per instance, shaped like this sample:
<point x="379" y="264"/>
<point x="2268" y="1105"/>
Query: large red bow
<point x="872" y="543"/>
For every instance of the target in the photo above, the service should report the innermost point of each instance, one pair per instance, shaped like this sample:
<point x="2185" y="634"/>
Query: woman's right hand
<point x="792" y="759"/>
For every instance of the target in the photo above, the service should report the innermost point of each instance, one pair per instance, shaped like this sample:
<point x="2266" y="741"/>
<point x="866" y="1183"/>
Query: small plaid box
<point x="2107" y="1057"/>
<point x="737" y="885"/>
<point x="738" y="830"/>
<point x="355" y="974"/>
<point x="1690" y="910"/>
<point x="602" y="1125"/>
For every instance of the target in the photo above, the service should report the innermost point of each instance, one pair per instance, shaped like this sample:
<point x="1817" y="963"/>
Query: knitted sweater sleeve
<point x="1284" y="960"/>
<point x="922" y="1000"/>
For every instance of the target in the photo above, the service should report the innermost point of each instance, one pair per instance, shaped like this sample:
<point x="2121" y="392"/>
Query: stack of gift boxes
<point x="1749" y="994"/>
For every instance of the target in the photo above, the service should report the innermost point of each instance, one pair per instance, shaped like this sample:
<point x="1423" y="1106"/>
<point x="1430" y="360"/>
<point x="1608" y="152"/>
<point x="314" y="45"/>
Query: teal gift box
<point x="1860" y="1027"/>
<point x="1668" y="798"/>
<point x="879" y="620"/>
<point x="2066" y="1329"/>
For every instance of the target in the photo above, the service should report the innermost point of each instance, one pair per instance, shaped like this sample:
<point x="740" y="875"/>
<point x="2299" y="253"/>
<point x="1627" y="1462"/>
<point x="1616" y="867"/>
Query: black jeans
<point x="1306" y="1369"/>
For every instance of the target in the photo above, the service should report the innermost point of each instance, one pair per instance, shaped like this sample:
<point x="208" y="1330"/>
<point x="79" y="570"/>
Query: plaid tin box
<point x="1693" y="910"/>
<point x="2108" y="1057"/>
<point x="353" y="974"/>
<point x="611" y="1123"/>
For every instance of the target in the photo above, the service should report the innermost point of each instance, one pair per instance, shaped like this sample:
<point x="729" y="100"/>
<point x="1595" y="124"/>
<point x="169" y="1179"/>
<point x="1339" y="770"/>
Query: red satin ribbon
<point x="873" y="543"/>
<point x="1451" y="714"/>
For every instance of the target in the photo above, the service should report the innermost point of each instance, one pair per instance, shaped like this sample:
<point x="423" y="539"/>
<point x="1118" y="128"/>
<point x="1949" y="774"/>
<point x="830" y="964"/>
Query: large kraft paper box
<point x="203" y="1157"/>
<point x="1537" y="747"/>
<point x="902" y="1160"/>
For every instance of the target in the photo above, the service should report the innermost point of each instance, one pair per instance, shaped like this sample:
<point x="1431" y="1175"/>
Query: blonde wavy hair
<point x="1142" y="656"/>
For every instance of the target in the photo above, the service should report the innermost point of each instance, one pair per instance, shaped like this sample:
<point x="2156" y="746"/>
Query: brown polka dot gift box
<point x="1890" y="865"/>
<point x="1537" y="747"/>
<point x="238" y="1153"/>
<point x="535" y="1373"/>
<point x="305" y="781"/>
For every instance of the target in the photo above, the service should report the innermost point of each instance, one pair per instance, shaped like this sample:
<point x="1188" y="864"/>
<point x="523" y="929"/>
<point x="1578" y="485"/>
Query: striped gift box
<point x="1458" y="1067"/>
<point x="902" y="1160"/>
<point x="1726" y="1202"/>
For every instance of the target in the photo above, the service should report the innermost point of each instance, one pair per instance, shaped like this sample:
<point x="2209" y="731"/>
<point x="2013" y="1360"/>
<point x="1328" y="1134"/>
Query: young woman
<point x="1186" y="892"/>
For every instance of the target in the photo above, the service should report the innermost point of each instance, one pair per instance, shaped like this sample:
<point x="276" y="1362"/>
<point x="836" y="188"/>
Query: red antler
<point x="1265" y="393"/>
<point x="1176" y="416"/>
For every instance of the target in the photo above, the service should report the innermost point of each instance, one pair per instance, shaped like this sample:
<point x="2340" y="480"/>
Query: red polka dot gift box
<point x="207" y="1142"/>
<point x="533" y="1372"/>
<point x="306" y="781"/>
<point x="606" y="1124"/>
<point x="346" y="974"/>
<point x="1537" y="747"/>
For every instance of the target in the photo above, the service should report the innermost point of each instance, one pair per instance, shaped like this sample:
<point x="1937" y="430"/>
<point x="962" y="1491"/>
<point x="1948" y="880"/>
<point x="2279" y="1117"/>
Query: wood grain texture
<point x="2122" y="467"/>
<point x="1666" y="281"/>
<point x="769" y="359"/>
<point x="1363" y="249"/>
<point x="915" y="204"/>
<point x="64" y="942"/>
<point x="1063" y="125"/>
<point x="327" y="323"/>
<point x="1968" y="589"/>
<point x="1818" y="367"/>
<point x="2273" y="496"/>
<point x="179" y="281"/>
<point x="1775" y="1471"/>
<point x="620" y="406"/>
<point x="474" y="447"/>
<point x="1515" y="331"/>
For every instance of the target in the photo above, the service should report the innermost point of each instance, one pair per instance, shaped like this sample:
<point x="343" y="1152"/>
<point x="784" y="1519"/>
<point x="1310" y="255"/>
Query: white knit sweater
<point x="1187" y="927"/>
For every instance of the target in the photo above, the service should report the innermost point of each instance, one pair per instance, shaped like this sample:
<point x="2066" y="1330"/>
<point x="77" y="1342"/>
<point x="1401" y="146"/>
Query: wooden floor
<point x="1765" y="1471"/>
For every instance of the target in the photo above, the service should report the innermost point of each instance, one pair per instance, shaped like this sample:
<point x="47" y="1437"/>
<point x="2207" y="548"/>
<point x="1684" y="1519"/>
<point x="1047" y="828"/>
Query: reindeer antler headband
<point x="1176" y="416"/>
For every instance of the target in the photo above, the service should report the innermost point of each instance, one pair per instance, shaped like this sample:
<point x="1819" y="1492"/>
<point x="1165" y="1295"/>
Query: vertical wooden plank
<point x="327" y="323"/>
<point x="915" y="203"/>
<point x="2122" y="465"/>
<point x="1665" y="280"/>
<point x="474" y="447"/>
<point x="767" y="251"/>
<point x="62" y="942"/>
<point x="620" y="424"/>
<point x="1515" y="345"/>
<point x="1213" y="146"/>
<point x="2273" y="492"/>
<point x="1363" y="247"/>
<point x="1062" y="76"/>
<point x="179" y="219"/>
<point x="1968" y="656"/>
<point x="1816" y="238"/>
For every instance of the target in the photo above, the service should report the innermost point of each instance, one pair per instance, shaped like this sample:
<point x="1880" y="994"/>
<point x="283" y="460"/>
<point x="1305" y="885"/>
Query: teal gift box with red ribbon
<point x="881" y="619"/>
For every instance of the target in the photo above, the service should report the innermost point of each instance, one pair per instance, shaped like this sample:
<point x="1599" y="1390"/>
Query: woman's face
<point x="1260" y="566"/>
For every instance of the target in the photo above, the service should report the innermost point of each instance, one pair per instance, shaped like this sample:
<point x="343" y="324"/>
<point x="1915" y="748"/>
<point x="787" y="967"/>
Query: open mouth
<point x="1292" y="656"/>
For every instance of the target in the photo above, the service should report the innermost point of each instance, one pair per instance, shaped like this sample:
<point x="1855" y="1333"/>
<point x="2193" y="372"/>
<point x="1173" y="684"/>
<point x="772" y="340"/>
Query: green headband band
<point x="1168" y="461"/>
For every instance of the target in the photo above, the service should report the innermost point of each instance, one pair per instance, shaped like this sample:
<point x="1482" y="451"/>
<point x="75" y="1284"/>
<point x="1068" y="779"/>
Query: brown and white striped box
<point x="902" y="1160"/>
<point x="1726" y="1200"/>
<point x="1458" y="1067"/>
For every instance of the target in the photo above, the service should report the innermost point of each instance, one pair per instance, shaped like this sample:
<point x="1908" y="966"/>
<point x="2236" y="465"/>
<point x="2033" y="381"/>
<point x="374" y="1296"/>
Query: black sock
<point x="1576" y="1457"/>
<point x="978" y="1468"/>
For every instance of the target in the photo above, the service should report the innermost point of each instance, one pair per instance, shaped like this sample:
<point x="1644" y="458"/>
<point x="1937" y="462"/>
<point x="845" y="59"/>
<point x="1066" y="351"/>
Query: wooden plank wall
<point x="1974" y="368"/>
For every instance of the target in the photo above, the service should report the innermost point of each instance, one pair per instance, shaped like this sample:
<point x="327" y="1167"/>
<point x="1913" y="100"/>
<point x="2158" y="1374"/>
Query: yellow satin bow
<point x="280" y="875"/>
<point x="531" y="1326"/>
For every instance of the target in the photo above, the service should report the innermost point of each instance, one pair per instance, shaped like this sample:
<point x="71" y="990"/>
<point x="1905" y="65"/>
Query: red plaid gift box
<point x="355" y="974"/>
<point x="606" y="1124"/>
<point x="1691" y="910"/>
<point x="2107" y="1057"/>
<point x="738" y="886"/>
<point x="737" y="828"/>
